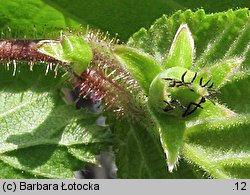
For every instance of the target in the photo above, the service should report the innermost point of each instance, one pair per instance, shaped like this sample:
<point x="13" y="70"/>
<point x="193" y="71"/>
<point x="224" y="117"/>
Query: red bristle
<point x="106" y="79"/>
<point x="96" y="86"/>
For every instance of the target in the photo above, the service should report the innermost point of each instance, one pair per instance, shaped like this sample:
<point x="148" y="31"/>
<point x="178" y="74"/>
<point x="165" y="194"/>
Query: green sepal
<point x="140" y="65"/>
<point x="52" y="48"/>
<point x="222" y="72"/>
<point x="182" y="49"/>
<point x="72" y="49"/>
<point x="171" y="129"/>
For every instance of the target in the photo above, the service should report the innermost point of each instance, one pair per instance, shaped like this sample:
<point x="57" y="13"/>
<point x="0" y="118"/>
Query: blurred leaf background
<point x="124" y="17"/>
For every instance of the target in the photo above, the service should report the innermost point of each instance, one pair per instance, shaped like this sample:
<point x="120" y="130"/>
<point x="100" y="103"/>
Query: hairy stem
<point x="22" y="50"/>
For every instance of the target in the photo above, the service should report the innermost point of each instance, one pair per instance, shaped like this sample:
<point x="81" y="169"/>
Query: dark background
<point x="113" y="15"/>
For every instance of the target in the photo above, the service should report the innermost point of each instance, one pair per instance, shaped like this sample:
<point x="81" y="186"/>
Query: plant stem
<point x="22" y="50"/>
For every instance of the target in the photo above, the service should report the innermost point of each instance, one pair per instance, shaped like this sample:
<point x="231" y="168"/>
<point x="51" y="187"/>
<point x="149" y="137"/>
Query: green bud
<point x="174" y="95"/>
<point x="178" y="92"/>
<point x="72" y="49"/>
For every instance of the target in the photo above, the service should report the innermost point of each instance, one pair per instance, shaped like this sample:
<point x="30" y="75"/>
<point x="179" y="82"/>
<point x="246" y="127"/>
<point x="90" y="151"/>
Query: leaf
<point x="181" y="52"/>
<point x="32" y="19"/>
<point x="158" y="39"/>
<point x="233" y="42"/>
<point x="140" y="155"/>
<point x="216" y="139"/>
<point x="229" y="67"/>
<point x="114" y="16"/>
<point x="239" y="101"/>
<point x="49" y="17"/>
<point x="9" y="172"/>
<point x="126" y="17"/>
<point x="221" y="147"/>
<point x="142" y="67"/>
<point x="40" y="135"/>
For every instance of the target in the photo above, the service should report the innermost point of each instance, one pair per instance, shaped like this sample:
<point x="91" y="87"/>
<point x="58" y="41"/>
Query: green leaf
<point x="215" y="36"/>
<point x="142" y="67"/>
<point x="181" y="52"/>
<point x="140" y="154"/>
<point x="49" y="17"/>
<point x="215" y="137"/>
<point x="218" y="38"/>
<point x="32" y="19"/>
<point x="221" y="146"/>
<point x="171" y="135"/>
<point x="126" y="17"/>
<point x="113" y="16"/>
<point x="220" y="78"/>
<point x="40" y="135"/>
<point x="239" y="101"/>
<point x="9" y="172"/>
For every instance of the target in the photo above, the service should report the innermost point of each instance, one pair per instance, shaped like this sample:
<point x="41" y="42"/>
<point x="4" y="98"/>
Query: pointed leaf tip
<point x="183" y="29"/>
<point x="182" y="49"/>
